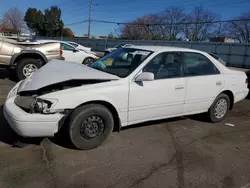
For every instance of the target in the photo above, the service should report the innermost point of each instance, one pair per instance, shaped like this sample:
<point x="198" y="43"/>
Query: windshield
<point x="121" y="62"/>
<point x="73" y="44"/>
<point x="118" y="46"/>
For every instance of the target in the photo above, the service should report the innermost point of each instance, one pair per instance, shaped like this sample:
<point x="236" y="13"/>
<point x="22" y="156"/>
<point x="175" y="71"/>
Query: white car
<point x="118" y="46"/>
<point x="150" y="83"/>
<point x="78" y="46"/>
<point x="71" y="53"/>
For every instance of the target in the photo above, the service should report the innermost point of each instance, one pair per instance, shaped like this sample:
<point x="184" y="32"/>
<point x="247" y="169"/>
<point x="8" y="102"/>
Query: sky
<point x="122" y="10"/>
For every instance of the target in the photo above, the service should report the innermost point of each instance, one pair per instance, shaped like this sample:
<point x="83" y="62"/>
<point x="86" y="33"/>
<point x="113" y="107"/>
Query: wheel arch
<point x="28" y="54"/>
<point x="231" y="97"/>
<point x="110" y="107"/>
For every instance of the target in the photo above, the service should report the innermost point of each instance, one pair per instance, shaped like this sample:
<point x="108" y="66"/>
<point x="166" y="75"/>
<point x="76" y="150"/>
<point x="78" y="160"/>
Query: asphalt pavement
<point x="186" y="152"/>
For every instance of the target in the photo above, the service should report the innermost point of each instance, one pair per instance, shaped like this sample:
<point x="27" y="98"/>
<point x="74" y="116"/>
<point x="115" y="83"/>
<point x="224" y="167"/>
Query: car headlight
<point x="34" y="104"/>
<point x="41" y="105"/>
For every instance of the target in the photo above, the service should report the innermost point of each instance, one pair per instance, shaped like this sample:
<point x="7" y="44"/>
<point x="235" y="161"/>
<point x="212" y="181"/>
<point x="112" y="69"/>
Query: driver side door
<point x="164" y="96"/>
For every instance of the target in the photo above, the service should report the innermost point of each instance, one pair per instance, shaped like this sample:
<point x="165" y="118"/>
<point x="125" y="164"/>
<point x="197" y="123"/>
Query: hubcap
<point x="92" y="127"/>
<point x="88" y="61"/>
<point x="220" y="108"/>
<point x="28" y="69"/>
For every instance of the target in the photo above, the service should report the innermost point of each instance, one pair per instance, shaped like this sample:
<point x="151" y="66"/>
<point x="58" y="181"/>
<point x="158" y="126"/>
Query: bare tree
<point x="142" y="28"/>
<point x="199" y="31"/>
<point x="155" y="26"/>
<point x="170" y="18"/>
<point x="239" y="30"/>
<point x="14" y="19"/>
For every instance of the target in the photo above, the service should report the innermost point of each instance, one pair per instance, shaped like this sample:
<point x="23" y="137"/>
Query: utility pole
<point x="90" y="17"/>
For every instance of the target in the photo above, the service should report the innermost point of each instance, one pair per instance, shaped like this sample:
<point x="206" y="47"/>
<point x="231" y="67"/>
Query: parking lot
<point x="185" y="152"/>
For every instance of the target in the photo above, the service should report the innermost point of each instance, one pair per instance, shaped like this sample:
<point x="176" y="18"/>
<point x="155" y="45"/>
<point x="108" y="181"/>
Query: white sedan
<point x="78" y="46"/>
<point x="150" y="83"/>
<point x="71" y="53"/>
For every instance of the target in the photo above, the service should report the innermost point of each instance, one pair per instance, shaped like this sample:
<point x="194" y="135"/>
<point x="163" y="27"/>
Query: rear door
<point x="203" y="82"/>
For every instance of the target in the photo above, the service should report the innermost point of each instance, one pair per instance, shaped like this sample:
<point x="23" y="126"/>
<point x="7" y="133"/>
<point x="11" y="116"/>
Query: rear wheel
<point x="90" y="126"/>
<point x="88" y="60"/>
<point x="219" y="108"/>
<point x="26" y="67"/>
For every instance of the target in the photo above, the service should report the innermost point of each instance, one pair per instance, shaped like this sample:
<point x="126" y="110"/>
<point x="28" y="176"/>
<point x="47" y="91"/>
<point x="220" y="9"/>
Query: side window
<point x="165" y="65"/>
<point x="198" y="65"/>
<point x="67" y="47"/>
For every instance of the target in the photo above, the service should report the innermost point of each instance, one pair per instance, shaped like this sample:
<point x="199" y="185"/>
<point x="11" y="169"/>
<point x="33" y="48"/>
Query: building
<point x="221" y="39"/>
<point x="8" y="32"/>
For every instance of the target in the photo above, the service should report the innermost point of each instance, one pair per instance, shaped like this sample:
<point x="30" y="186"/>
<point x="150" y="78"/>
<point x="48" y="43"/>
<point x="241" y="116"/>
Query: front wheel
<point x="88" y="60"/>
<point x="26" y="67"/>
<point x="219" y="108"/>
<point x="90" y="126"/>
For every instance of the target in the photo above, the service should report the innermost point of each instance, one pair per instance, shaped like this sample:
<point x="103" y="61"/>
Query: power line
<point x="180" y="23"/>
<point x="76" y="23"/>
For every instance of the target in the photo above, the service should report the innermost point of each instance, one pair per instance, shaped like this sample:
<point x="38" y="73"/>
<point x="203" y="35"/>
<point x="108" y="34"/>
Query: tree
<point x="156" y="26"/>
<point x="141" y="28"/>
<point x="239" y="30"/>
<point x="53" y="22"/>
<point x="48" y="23"/>
<point x="67" y="32"/>
<point x="14" y="19"/>
<point x="170" y="17"/>
<point x="35" y="21"/>
<point x="199" y="31"/>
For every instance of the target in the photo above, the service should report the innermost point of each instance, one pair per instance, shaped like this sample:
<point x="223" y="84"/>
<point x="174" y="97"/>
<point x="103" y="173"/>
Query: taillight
<point x="246" y="81"/>
<point x="61" y="52"/>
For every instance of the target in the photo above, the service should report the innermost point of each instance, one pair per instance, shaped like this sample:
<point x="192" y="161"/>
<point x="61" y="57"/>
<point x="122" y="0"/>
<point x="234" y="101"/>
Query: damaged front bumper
<point x="27" y="124"/>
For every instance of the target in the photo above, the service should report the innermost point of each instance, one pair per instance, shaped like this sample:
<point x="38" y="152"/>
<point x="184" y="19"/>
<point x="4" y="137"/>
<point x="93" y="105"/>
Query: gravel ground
<point x="185" y="152"/>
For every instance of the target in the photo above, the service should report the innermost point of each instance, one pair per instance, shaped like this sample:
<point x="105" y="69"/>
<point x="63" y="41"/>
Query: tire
<point x="106" y="53"/>
<point x="81" y="118"/>
<point x="24" y="63"/>
<point x="88" y="60"/>
<point x="222" y="99"/>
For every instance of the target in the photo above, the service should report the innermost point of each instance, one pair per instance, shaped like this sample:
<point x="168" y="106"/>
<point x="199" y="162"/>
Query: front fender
<point x="72" y="103"/>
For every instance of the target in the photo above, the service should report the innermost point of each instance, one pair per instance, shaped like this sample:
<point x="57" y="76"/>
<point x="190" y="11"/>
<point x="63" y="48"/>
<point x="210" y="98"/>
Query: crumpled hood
<point x="57" y="71"/>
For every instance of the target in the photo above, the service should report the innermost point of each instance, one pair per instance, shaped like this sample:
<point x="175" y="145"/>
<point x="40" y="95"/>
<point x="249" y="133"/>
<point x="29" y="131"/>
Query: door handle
<point x="218" y="83"/>
<point x="179" y="87"/>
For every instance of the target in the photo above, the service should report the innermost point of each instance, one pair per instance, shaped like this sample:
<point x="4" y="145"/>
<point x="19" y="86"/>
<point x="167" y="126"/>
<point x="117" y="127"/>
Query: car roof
<point x="163" y="48"/>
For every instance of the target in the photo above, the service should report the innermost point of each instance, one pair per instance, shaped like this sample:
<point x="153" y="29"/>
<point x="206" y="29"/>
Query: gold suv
<point x="25" y="58"/>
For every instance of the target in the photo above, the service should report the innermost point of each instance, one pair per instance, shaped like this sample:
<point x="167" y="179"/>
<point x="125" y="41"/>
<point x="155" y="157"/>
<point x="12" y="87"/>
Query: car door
<point x="203" y="82"/>
<point x="6" y="51"/>
<point x="162" y="97"/>
<point x="71" y="54"/>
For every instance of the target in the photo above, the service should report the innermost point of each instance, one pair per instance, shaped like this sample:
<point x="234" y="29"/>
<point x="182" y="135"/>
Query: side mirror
<point x="75" y="50"/>
<point x="145" y="76"/>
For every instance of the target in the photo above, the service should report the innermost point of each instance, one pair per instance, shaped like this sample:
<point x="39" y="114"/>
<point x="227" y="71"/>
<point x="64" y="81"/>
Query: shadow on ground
<point x="8" y="136"/>
<point x="7" y="73"/>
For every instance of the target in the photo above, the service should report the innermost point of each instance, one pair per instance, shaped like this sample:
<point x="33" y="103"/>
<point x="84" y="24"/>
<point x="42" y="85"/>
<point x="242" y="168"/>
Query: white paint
<point x="134" y="102"/>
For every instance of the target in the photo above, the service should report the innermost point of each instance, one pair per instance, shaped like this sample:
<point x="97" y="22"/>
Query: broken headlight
<point x="41" y="106"/>
<point x="33" y="104"/>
